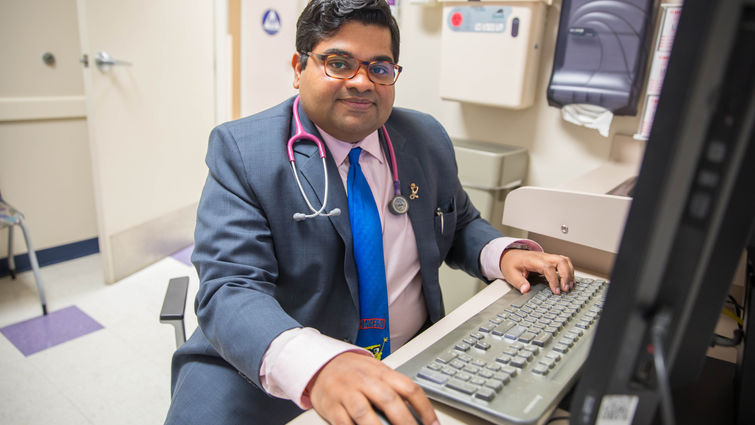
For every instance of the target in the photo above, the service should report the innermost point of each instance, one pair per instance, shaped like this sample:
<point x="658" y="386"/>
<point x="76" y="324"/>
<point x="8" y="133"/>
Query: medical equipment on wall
<point x="490" y="51"/>
<point x="601" y="54"/>
<point x="398" y="204"/>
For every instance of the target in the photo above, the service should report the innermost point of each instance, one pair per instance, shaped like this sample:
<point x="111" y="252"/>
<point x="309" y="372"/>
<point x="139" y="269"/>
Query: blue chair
<point x="10" y="217"/>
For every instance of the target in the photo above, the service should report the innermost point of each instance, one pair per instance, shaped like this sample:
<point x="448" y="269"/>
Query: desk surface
<point x="447" y="415"/>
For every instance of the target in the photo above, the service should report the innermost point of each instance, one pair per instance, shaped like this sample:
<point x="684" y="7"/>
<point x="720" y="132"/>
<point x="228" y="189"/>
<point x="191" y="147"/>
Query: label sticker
<point x="271" y="21"/>
<point x="617" y="410"/>
<point x="479" y="18"/>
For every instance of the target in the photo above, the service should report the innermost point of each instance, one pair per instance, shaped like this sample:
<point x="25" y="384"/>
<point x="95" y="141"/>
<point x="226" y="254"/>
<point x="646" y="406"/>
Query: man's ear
<point x="296" y="65"/>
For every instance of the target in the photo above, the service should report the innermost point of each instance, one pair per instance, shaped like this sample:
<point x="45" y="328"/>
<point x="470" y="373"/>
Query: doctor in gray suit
<point x="279" y="300"/>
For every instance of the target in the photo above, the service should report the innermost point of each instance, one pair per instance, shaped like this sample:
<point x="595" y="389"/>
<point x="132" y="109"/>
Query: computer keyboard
<point x="513" y="361"/>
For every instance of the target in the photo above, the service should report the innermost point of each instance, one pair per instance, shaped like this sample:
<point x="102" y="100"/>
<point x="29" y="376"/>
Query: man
<point x="280" y="299"/>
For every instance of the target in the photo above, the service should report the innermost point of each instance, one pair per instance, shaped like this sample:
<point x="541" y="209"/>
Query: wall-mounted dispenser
<point x="491" y="51"/>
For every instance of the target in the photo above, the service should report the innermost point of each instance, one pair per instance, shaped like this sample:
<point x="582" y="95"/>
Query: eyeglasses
<point x="345" y="67"/>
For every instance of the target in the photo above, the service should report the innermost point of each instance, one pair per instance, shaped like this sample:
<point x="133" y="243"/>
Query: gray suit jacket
<point x="263" y="273"/>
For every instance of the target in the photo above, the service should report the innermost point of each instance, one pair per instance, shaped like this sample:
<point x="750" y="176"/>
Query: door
<point x="149" y="116"/>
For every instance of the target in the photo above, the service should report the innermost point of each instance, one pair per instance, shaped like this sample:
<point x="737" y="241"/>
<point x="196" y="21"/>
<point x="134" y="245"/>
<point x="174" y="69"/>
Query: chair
<point x="10" y="217"/>
<point x="174" y="305"/>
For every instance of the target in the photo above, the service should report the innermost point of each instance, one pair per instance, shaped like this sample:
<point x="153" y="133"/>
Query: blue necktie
<point x="367" y="234"/>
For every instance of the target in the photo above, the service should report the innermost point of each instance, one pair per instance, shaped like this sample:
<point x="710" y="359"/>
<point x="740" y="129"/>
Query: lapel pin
<point x="414" y="188"/>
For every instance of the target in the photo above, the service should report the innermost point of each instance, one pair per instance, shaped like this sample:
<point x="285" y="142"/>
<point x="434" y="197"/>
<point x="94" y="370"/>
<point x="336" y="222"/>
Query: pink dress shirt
<point x="296" y="355"/>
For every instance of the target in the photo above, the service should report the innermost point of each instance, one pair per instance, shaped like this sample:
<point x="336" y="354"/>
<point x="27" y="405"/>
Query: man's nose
<point x="362" y="78"/>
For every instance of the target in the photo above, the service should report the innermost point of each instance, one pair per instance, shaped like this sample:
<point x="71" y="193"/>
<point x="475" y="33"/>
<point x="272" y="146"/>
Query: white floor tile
<point x="116" y="375"/>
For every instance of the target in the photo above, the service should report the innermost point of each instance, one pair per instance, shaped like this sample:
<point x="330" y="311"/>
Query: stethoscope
<point x="397" y="205"/>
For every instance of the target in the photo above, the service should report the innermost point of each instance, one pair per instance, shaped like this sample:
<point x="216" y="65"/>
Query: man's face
<point x="350" y="109"/>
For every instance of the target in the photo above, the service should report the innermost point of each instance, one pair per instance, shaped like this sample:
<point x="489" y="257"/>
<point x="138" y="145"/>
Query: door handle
<point x="104" y="61"/>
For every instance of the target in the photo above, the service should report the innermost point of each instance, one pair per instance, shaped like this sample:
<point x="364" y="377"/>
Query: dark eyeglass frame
<point x="324" y="59"/>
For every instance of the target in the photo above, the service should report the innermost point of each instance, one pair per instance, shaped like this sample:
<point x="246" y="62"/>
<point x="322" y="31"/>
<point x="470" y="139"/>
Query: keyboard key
<point x="458" y="364"/>
<point x="446" y="357"/>
<point x="478" y="363"/>
<point x="462" y="346"/>
<point x="493" y="366"/>
<point x="505" y="377"/>
<point x="472" y="369"/>
<point x="547" y="362"/>
<point x="518" y="361"/>
<point x="486" y="394"/>
<point x="461" y="376"/>
<point x="448" y="371"/>
<point x="477" y="381"/>
<point x="504" y="326"/>
<point x="540" y="369"/>
<point x="510" y="370"/>
<point x="477" y="335"/>
<point x="527" y="337"/>
<point x="561" y="348"/>
<point x="465" y="358"/>
<point x="485" y="374"/>
<point x="461" y="386"/>
<point x="482" y="345"/>
<point x="494" y="384"/>
<point x="504" y="358"/>
<point x="528" y="355"/>
<point x="542" y="339"/>
<point x="432" y="376"/>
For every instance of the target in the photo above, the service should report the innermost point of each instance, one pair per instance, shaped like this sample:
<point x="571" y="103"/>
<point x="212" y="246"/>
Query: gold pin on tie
<point x="414" y="188"/>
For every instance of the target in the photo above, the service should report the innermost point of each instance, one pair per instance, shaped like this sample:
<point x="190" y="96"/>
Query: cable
<point x="557" y="418"/>
<point x="659" y="327"/>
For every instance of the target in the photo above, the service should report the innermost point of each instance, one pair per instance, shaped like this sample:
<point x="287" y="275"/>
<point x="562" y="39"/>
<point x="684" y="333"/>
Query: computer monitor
<point x="690" y="219"/>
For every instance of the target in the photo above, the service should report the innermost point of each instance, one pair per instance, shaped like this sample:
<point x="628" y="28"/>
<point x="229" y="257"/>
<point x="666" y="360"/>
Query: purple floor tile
<point x="34" y="335"/>
<point x="184" y="255"/>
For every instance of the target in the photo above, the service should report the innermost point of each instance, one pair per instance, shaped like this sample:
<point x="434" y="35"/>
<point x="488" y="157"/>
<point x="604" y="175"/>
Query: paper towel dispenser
<point x="601" y="54"/>
<point x="490" y="51"/>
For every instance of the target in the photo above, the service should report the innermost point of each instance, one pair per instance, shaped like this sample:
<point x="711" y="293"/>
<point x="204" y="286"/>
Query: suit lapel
<point x="411" y="171"/>
<point x="310" y="168"/>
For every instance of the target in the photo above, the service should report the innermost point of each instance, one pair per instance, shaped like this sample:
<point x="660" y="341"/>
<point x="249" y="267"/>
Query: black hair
<point x="323" y="18"/>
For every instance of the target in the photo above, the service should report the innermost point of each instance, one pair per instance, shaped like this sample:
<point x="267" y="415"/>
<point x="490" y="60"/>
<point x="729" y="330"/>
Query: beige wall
<point x="44" y="161"/>
<point x="44" y="152"/>
<point x="558" y="150"/>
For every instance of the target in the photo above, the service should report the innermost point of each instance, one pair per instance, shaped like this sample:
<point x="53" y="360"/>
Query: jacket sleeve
<point x="235" y="259"/>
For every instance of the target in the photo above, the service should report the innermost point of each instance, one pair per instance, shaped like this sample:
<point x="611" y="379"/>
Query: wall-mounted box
<point x="490" y="51"/>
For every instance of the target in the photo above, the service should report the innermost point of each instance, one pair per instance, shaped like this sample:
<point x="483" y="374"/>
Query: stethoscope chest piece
<point x="398" y="205"/>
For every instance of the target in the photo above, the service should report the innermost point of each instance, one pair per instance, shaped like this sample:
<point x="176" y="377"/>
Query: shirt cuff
<point x="294" y="358"/>
<point x="490" y="257"/>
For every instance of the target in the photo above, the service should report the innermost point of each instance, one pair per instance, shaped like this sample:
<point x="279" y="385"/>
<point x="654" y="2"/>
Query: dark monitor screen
<point x="690" y="219"/>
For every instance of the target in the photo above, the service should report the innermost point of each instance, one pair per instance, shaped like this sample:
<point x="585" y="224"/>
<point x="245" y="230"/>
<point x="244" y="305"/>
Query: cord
<point x="659" y="328"/>
<point x="557" y="418"/>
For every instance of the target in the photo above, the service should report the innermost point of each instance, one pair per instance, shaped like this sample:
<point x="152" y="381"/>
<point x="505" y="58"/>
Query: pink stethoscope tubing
<point x="303" y="135"/>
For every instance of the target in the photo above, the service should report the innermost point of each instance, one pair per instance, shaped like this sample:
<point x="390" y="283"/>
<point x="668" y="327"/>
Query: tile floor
<point x="118" y="372"/>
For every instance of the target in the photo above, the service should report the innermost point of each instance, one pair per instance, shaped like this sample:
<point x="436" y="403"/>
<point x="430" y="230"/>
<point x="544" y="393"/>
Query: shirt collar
<point x="339" y="150"/>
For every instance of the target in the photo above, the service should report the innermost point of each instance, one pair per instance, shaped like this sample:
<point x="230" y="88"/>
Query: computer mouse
<point x="385" y="421"/>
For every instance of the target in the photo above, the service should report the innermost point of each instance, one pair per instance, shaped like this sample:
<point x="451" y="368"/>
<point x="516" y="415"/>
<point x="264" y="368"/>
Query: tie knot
<point x="354" y="155"/>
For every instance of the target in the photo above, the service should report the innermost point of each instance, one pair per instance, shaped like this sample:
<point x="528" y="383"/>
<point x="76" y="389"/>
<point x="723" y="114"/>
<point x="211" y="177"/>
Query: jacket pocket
<point x="445" y="226"/>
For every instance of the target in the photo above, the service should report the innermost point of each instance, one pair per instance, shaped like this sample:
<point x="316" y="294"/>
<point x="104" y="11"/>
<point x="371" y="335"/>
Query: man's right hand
<point x="346" y="389"/>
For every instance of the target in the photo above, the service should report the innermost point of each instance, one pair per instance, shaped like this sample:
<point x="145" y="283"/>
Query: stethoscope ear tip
<point x="299" y="217"/>
<point x="335" y="211"/>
